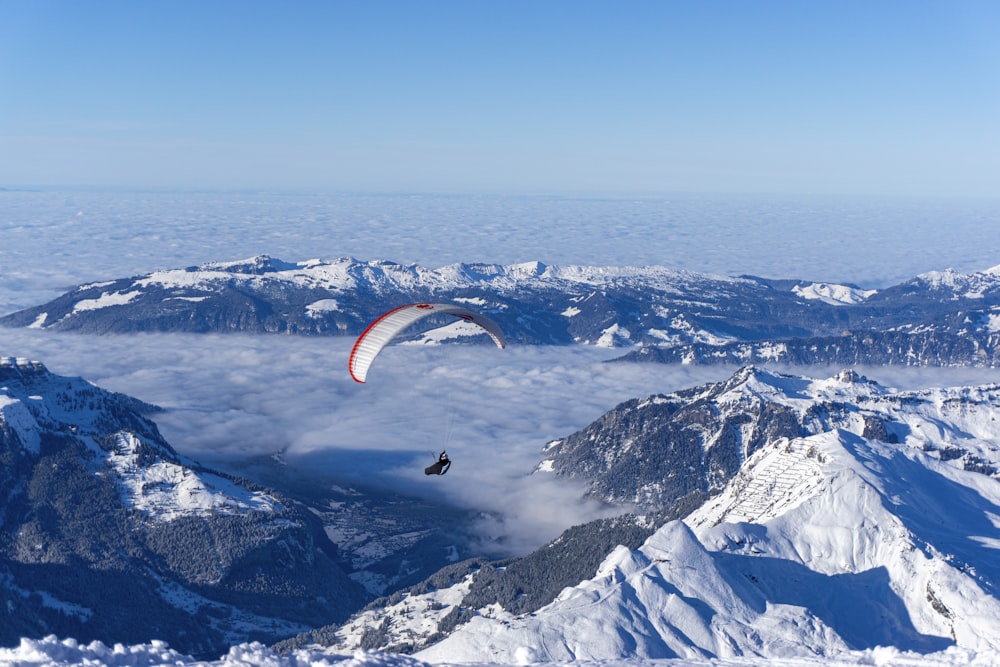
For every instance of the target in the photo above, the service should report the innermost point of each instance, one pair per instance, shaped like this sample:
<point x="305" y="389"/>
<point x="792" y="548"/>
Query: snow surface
<point x="837" y="295"/>
<point x="149" y="478"/>
<point x="165" y="491"/>
<point x="806" y="483"/>
<point x="345" y="274"/>
<point x="55" y="652"/>
<point x="106" y="300"/>
<point x="317" y="308"/>
<point x="822" y="545"/>
<point x="14" y="413"/>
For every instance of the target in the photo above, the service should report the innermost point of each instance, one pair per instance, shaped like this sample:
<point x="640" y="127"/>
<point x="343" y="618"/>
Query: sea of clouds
<point x="229" y="397"/>
<point x="52" y="239"/>
<point x="232" y="397"/>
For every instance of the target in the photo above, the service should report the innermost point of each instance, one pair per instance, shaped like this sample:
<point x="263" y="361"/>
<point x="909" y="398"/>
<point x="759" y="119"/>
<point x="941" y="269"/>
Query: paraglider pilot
<point x="440" y="466"/>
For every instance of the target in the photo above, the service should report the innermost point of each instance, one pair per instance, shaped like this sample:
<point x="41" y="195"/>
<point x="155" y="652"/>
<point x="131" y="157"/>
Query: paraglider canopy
<point x="380" y="332"/>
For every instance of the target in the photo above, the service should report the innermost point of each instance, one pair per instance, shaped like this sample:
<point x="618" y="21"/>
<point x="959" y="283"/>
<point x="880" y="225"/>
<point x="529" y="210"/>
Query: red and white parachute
<point x="384" y="329"/>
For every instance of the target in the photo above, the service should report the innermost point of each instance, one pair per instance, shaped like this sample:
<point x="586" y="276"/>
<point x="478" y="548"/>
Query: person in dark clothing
<point x="440" y="466"/>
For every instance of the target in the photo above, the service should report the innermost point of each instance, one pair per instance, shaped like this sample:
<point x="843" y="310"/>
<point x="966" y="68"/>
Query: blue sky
<point x="559" y="96"/>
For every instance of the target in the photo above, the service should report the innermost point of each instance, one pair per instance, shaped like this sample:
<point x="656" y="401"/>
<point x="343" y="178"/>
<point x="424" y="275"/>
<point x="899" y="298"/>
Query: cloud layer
<point x="228" y="398"/>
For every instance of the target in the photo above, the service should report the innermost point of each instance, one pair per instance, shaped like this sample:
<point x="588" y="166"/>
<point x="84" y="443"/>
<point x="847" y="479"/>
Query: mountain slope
<point x="413" y="618"/>
<point x="108" y="534"/>
<point x="652" y="452"/>
<point x="656" y="450"/>
<point x="866" y="517"/>
<point x="822" y="543"/>
<point x="532" y="302"/>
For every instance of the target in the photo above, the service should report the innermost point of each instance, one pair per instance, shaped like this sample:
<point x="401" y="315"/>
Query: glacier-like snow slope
<point x="51" y="652"/>
<point x="821" y="545"/>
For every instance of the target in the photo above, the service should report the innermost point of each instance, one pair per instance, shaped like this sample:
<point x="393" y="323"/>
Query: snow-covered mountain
<point x="653" y="451"/>
<point x="673" y="316"/>
<point x="941" y="318"/>
<point x="107" y="533"/>
<point x="868" y="518"/>
<point x="533" y="303"/>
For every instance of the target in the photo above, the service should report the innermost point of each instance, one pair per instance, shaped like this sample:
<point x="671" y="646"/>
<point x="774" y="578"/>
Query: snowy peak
<point x="842" y="538"/>
<point x="797" y="392"/>
<point x="858" y="518"/>
<point x="112" y="435"/>
<point x="837" y="295"/>
<point x="975" y="285"/>
<point x="656" y="451"/>
<point x="664" y="315"/>
<point x="532" y="301"/>
<point x="634" y="453"/>
<point x="258" y="265"/>
<point x="471" y="274"/>
<point x="843" y="505"/>
<point x="68" y="405"/>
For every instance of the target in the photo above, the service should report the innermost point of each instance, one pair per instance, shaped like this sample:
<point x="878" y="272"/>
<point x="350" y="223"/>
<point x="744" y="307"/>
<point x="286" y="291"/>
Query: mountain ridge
<point x="655" y="313"/>
<point x="109" y="534"/>
<point x="873" y="525"/>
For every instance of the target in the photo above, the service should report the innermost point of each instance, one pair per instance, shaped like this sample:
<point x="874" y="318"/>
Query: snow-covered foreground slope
<point x="52" y="651"/>
<point x="822" y="544"/>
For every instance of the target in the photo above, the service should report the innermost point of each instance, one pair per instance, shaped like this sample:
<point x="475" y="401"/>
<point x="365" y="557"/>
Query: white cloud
<point x="231" y="397"/>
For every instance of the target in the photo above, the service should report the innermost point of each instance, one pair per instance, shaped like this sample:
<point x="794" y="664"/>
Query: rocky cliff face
<point x="653" y="452"/>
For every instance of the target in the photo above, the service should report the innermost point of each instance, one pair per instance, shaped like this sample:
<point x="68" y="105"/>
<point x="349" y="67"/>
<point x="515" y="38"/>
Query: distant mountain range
<point x="815" y="517"/>
<point x="107" y="533"/>
<point x="939" y="318"/>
